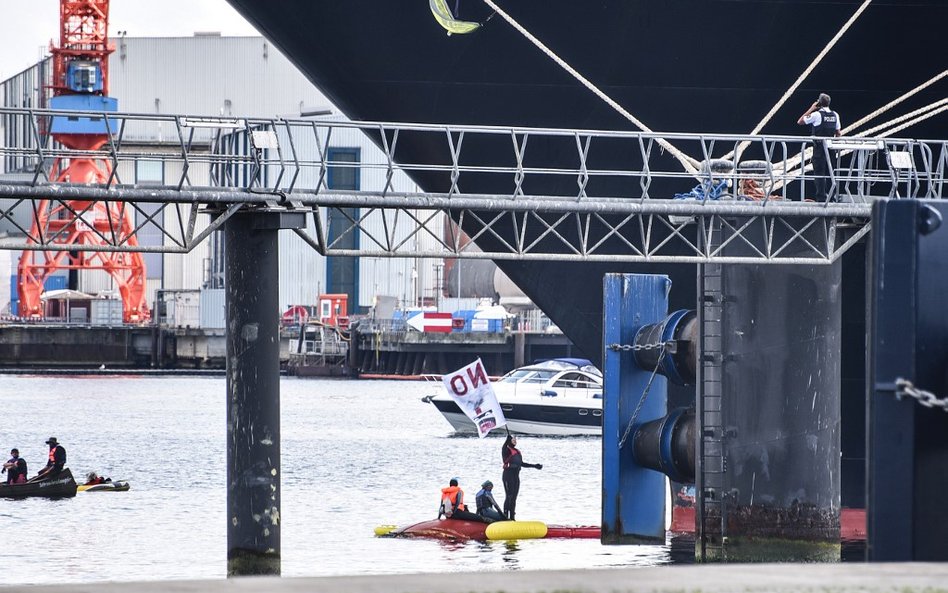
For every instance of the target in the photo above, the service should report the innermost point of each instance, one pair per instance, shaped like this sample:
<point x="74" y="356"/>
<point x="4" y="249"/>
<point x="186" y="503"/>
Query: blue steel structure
<point x="633" y="497"/>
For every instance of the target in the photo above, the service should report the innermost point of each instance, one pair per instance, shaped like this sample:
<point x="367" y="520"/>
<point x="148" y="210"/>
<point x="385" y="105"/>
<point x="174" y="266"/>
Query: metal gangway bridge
<point x="571" y="195"/>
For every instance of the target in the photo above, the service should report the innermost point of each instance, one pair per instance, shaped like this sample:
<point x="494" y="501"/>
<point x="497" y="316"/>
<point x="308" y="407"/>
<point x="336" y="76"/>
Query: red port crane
<point x="81" y="83"/>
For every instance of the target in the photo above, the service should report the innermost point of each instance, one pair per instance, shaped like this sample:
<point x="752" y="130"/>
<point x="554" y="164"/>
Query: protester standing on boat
<point x="513" y="461"/>
<point x="57" y="458"/>
<point x="824" y="124"/>
<point x="487" y="506"/>
<point x="15" y="468"/>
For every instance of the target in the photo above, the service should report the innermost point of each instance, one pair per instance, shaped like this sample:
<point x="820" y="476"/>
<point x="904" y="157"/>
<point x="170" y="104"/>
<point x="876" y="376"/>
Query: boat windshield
<point x="528" y="376"/>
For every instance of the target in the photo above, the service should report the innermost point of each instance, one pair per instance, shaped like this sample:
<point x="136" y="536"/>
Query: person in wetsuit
<point x="824" y="123"/>
<point x="513" y="461"/>
<point x="57" y="459"/>
<point x="487" y="506"/>
<point x="15" y="468"/>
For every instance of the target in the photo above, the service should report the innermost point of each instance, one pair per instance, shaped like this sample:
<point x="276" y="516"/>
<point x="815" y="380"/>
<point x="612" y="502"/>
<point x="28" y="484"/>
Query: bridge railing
<point x="519" y="193"/>
<point x="287" y="155"/>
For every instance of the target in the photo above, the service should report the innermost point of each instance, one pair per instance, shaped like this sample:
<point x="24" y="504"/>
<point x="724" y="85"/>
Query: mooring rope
<point x="895" y="102"/>
<point x="806" y="72"/>
<point x="690" y="164"/>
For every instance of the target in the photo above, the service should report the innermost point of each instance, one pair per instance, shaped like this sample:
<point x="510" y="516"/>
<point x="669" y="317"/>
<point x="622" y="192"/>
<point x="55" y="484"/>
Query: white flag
<point x="472" y="391"/>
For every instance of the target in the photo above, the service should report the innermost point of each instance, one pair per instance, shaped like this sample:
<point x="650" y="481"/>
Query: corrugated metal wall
<point x="239" y="76"/>
<point x="7" y="271"/>
<point x="209" y="75"/>
<point x="303" y="275"/>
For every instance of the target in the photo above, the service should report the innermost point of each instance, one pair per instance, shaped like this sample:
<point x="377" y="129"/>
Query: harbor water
<point x="355" y="454"/>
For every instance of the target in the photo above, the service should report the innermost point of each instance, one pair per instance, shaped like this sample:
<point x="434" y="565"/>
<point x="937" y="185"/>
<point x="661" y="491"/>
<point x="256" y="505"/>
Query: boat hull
<point x="63" y="485"/>
<point x="106" y="487"/>
<point x="452" y="529"/>
<point x="528" y="419"/>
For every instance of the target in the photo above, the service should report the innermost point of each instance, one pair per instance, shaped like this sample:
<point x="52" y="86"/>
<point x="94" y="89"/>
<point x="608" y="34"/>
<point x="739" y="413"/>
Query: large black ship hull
<point x="687" y="66"/>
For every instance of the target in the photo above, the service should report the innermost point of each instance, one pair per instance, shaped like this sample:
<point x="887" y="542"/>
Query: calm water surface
<point x="356" y="454"/>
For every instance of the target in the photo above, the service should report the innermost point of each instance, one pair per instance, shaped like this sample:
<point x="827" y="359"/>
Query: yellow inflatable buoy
<point x="385" y="529"/>
<point x="516" y="530"/>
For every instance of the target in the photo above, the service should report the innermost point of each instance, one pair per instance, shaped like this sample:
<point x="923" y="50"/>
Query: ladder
<point x="711" y="520"/>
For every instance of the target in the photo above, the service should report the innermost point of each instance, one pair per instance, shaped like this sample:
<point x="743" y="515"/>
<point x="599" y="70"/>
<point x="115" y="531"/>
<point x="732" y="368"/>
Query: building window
<point x="342" y="273"/>
<point x="150" y="173"/>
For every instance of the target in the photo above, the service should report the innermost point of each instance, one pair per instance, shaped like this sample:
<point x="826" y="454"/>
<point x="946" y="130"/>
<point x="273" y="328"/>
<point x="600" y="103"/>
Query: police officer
<point x="824" y="123"/>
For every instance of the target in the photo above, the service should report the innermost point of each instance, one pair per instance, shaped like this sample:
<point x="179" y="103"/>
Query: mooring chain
<point x="669" y="346"/>
<point x="904" y="387"/>
<point x="648" y="386"/>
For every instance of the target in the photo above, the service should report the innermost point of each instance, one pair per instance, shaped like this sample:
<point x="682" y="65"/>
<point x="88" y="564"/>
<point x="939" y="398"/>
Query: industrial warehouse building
<point x="210" y="75"/>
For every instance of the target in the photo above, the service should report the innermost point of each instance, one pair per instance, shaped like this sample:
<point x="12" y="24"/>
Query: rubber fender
<point x="516" y="530"/>
<point x="385" y="529"/>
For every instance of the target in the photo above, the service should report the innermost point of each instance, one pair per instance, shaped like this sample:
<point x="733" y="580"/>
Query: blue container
<point x="55" y="283"/>
<point x="14" y="297"/>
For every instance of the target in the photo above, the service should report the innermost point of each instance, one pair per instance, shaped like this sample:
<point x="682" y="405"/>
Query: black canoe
<point x="58" y="486"/>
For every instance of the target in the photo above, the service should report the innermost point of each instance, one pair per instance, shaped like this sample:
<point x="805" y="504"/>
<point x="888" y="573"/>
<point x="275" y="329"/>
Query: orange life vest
<point x="52" y="454"/>
<point x="454" y="497"/>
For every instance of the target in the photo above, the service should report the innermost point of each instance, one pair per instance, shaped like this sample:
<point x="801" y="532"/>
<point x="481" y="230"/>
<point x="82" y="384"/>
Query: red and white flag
<point x="474" y="394"/>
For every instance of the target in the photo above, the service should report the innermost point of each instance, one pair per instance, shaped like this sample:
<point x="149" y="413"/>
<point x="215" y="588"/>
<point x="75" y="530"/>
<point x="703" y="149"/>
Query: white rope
<point x="912" y="122"/>
<point x="690" y="164"/>
<point x="793" y="87"/>
<point x="930" y="107"/>
<point x="895" y="102"/>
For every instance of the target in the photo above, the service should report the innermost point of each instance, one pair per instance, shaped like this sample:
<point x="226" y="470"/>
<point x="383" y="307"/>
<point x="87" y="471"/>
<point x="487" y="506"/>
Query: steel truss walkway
<point x="572" y="195"/>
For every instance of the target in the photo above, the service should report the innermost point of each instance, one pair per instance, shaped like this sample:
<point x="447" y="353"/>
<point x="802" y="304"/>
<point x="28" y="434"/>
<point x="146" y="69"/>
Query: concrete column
<point x="253" y="393"/>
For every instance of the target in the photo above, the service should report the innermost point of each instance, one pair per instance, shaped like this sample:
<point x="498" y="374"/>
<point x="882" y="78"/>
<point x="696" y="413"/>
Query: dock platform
<point x="826" y="578"/>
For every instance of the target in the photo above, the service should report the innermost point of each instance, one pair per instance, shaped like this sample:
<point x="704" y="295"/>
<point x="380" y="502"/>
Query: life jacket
<point x="52" y="455"/>
<point x="511" y="453"/>
<point x="827" y="126"/>
<point x="452" y="499"/>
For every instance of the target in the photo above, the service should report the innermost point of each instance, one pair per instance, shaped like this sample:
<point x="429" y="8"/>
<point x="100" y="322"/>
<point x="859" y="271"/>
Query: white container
<point x="106" y="312"/>
<point x="213" y="311"/>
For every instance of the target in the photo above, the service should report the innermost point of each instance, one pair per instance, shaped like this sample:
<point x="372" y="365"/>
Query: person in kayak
<point x="15" y="468"/>
<point x="452" y="504"/>
<point x="487" y="506"/>
<point x="57" y="459"/>
<point x="513" y="461"/>
<point x="93" y="479"/>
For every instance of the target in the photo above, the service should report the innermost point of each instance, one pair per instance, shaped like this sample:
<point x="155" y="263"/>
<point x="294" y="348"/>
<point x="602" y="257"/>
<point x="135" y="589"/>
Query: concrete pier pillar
<point x="253" y="391"/>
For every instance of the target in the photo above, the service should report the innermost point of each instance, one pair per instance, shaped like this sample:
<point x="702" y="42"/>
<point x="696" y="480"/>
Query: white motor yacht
<point x="562" y="396"/>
